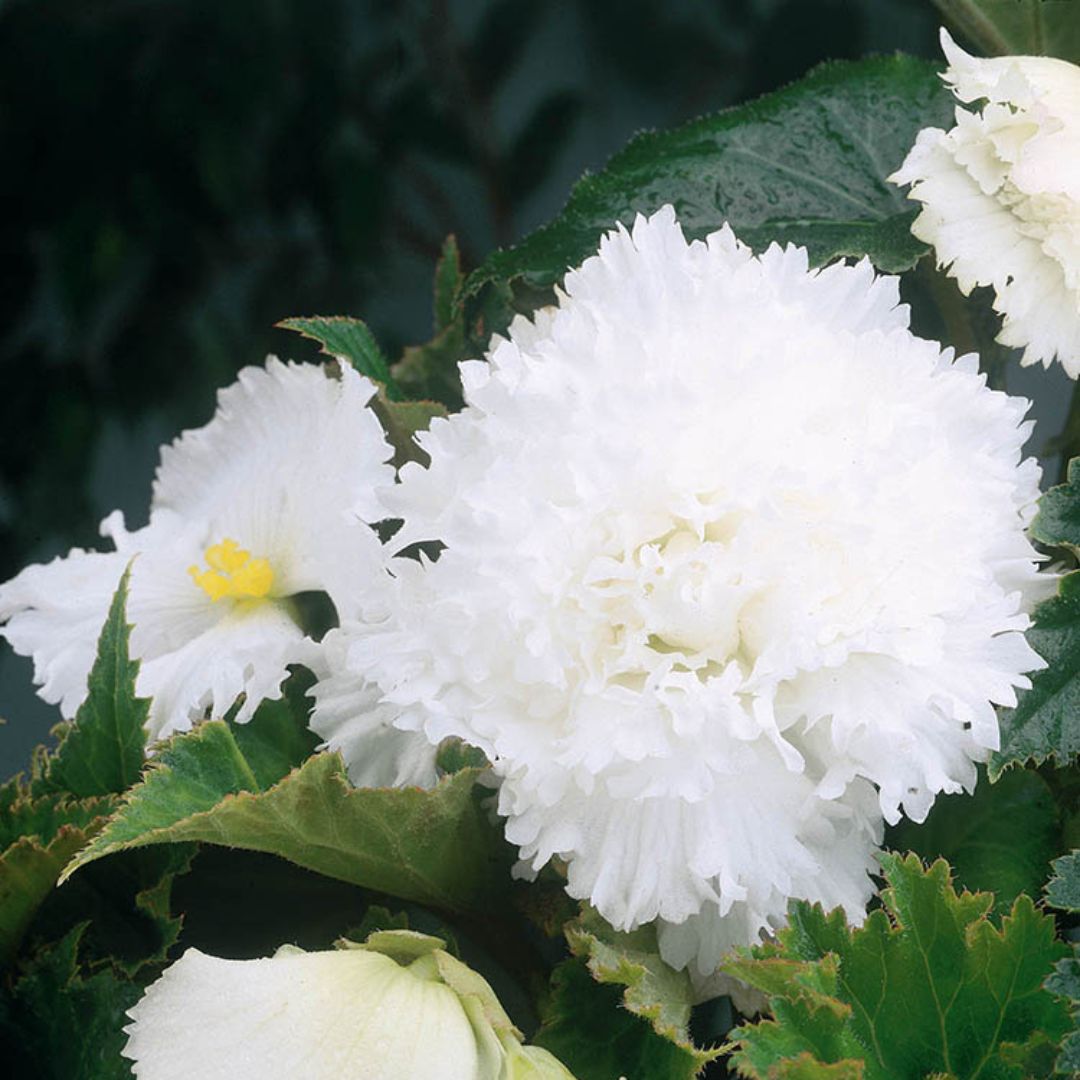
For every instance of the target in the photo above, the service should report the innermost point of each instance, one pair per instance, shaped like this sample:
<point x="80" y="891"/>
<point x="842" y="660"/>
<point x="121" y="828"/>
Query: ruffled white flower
<point x="268" y="500"/>
<point x="1001" y="196"/>
<point x="397" y="1008"/>
<point x="724" y="542"/>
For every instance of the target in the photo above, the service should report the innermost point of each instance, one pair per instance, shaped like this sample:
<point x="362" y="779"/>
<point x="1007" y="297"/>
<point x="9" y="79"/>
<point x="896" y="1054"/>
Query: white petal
<point x="55" y="613"/>
<point x="244" y="652"/>
<point x="289" y="468"/>
<point x="351" y="1015"/>
<point x="350" y="716"/>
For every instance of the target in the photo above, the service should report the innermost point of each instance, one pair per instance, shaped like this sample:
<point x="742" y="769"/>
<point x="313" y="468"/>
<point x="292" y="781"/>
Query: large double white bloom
<point x="1000" y="196"/>
<point x="267" y="501"/>
<point x="725" y="544"/>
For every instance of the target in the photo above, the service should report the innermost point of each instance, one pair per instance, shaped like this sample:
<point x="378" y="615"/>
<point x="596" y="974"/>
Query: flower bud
<point x="394" y="1008"/>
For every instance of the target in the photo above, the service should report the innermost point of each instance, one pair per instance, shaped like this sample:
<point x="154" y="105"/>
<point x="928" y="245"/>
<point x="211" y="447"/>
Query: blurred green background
<point x="181" y="174"/>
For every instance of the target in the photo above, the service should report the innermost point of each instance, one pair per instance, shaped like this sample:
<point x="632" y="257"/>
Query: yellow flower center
<point x="233" y="573"/>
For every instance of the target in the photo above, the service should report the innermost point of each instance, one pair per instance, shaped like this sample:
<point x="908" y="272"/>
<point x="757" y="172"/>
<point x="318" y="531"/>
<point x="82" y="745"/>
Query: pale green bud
<point x="397" y="1007"/>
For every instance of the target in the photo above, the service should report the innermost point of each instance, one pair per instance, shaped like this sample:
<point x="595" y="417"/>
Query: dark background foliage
<point x="181" y="174"/>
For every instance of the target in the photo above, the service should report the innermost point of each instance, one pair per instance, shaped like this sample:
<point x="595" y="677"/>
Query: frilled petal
<point x="1000" y="195"/>
<point x="54" y="613"/>
<point x="351" y="717"/>
<point x="709" y="566"/>
<point x="289" y="467"/>
<point x="351" y="1015"/>
<point x="246" y="651"/>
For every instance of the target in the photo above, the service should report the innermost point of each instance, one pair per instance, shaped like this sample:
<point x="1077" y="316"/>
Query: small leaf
<point x="806" y="165"/>
<point x="1018" y="27"/>
<point x="448" y="282"/>
<point x="434" y="847"/>
<point x="103" y="751"/>
<point x="1045" y="725"/>
<point x="58" y="1022"/>
<point x="1058" y="521"/>
<point x="999" y="840"/>
<point x="1063" y="890"/>
<point x="339" y="335"/>
<point x="1065" y="983"/>
<point x="586" y="1027"/>
<point x="40" y="837"/>
<point x="652" y="990"/>
<point x="929" y="985"/>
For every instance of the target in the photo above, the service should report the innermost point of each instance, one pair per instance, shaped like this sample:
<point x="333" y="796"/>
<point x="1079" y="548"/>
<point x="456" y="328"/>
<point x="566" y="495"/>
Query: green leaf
<point x="40" y="837"/>
<point x="434" y="847"/>
<point x="999" y="840"/>
<point x="806" y="165"/>
<point x="59" y="1024"/>
<point x="1018" y="27"/>
<point x="651" y="989"/>
<point x="339" y="335"/>
<point x="448" y="282"/>
<point x="103" y="751"/>
<point x="1063" y="889"/>
<point x="1058" y="521"/>
<point x="929" y="985"/>
<point x="128" y="905"/>
<point x="586" y="1027"/>
<point x="1065" y="983"/>
<point x="1045" y="725"/>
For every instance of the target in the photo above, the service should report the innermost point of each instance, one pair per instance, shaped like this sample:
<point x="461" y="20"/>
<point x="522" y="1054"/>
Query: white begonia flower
<point x="268" y="500"/>
<point x="395" y="1008"/>
<point x="724" y="544"/>
<point x="1000" y="196"/>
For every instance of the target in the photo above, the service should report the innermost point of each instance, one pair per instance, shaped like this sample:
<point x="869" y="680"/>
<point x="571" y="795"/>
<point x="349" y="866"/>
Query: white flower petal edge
<point x="396" y="1007"/>
<point x="1000" y="194"/>
<point x="723" y="543"/>
<point x="269" y="499"/>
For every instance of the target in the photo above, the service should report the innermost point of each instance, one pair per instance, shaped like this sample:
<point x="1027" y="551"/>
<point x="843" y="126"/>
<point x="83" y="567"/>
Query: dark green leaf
<point x="806" y="165"/>
<point x="999" y="840"/>
<point x="586" y="1027"/>
<point x="929" y="985"/>
<point x="1058" y="521"/>
<point x="1065" y="983"/>
<point x="127" y="902"/>
<point x="103" y="751"/>
<point x="1045" y="725"/>
<point x="435" y="847"/>
<point x="40" y="837"/>
<point x="349" y="338"/>
<point x="1063" y="890"/>
<point x="1018" y="27"/>
<point x="59" y="1024"/>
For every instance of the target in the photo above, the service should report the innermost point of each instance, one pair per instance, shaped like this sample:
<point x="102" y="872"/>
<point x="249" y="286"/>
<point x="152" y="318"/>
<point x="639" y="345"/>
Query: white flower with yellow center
<point x="267" y="501"/>
<point x="725" y="545"/>
<point x="1000" y="195"/>
<point x="396" y="1008"/>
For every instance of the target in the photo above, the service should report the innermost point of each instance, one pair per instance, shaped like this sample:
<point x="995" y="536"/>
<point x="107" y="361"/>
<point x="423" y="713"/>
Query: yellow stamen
<point x="233" y="573"/>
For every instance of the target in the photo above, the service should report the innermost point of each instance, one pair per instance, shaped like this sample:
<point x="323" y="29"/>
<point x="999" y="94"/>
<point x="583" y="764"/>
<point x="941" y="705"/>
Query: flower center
<point x="233" y="573"/>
